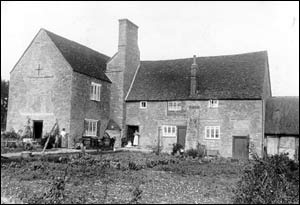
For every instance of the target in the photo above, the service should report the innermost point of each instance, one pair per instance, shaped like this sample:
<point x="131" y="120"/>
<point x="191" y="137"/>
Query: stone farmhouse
<point x="58" y="79"/>
<point x="218" y="101"/>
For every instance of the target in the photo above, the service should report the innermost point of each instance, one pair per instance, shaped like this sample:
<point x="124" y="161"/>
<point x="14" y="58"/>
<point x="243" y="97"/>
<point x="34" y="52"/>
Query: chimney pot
<point x="194" y="60"/>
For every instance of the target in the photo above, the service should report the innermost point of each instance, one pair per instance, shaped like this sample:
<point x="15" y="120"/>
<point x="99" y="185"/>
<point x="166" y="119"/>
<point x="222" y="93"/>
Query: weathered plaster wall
<point x="45" y="98"/>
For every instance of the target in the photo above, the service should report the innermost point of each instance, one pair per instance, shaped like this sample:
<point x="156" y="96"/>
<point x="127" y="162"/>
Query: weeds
<point x="274" y="179"/>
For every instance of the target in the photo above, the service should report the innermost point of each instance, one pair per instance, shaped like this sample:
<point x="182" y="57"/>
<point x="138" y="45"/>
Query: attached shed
<point x="282" y="126"/>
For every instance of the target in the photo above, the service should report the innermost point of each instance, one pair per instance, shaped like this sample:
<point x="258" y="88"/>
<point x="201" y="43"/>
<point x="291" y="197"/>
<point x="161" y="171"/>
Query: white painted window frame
<point x="169" y="130"/>
<point x="213" y="129"/>
<point x="141" y="104"/>
<point x="174" y="106"/>
<point x="96" y="91"/>
<point x="93" y="124"/>
<point x="213" y="103"/>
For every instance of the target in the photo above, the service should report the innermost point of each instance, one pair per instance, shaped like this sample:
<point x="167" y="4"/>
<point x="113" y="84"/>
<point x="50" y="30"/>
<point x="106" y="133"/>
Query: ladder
<point x="52" y="130"/>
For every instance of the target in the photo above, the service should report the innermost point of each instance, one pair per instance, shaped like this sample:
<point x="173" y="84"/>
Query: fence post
<point x="158" y="141"/>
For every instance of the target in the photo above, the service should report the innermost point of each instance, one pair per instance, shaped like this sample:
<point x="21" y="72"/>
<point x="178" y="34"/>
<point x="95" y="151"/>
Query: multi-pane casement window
<point x="169" y="130"/>
<point x="143" y="104"/>
<point x="213" y="103"/>
<point x="174" y="106"/>
<point x="95" y="92"/>
<point x="91" y="127"/>
<point x="212" y="132"/>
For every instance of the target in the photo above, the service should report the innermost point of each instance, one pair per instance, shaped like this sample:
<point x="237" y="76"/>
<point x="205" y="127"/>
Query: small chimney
<point x="194" y="69"/>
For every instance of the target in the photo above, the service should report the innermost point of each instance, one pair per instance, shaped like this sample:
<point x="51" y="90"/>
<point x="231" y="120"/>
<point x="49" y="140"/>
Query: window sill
<point x="95" y="100"/>
<point x="168" y="136"/>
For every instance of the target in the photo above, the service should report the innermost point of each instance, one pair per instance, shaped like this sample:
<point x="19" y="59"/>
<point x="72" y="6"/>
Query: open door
<point x="130" y="132"/>
<point x="37" y="129"/>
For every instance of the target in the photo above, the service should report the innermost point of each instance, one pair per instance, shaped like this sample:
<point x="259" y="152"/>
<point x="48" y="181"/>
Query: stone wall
<point x="40" y="95"/>
<point x="83" y="108"/>
<point x="235" y="118"/>
<point x="121" y="70"/>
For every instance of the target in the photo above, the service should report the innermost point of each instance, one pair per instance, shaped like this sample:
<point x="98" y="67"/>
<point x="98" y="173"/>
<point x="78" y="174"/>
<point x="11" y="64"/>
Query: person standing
<point x="63" y="137"/>
<point x="136" y="138"/>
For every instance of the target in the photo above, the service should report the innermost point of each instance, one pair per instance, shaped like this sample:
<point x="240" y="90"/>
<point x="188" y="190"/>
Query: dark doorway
<point x="130" y="132"/>
<point x="181" y="133"/>
<point x="37" y="129"/>
<point x="240" y="147"/>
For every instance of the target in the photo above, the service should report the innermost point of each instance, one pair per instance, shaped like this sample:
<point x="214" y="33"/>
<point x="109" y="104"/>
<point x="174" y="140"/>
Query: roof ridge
<point x="213" y="56"/>
<point x="47" y="31"/>
<point x="285" y="96"/>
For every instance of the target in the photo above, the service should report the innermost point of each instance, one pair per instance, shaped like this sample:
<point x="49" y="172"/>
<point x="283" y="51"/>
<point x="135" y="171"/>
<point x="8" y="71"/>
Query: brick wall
<point x="44" y="99"/>
<point x="84" y="108"/>
<point x="235" y="118"/>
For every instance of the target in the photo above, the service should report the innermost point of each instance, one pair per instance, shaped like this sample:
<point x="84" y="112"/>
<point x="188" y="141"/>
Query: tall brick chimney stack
<point x="194" y="69"/>
<point x="121" y="69"/>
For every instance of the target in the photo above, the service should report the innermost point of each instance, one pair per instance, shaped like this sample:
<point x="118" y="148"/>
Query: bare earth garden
<point x="124" y="177"/>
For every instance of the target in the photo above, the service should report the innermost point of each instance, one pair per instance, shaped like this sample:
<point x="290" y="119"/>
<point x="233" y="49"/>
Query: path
<point x="72" y="151"/>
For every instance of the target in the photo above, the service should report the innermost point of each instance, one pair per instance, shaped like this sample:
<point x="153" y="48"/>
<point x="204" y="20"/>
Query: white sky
<point x="167" y="30"/>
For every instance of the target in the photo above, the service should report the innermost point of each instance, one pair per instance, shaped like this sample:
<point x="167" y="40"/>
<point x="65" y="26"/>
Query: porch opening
<point x="131" y="129"/>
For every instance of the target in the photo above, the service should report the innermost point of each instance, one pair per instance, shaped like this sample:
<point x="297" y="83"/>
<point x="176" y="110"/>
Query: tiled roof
<point x="282" y="115"/>
<point x="218" y="77"/>
<point x="81" y="58"/>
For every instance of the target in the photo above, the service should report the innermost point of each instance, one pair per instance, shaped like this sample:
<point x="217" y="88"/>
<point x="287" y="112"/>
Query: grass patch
<point x="123" y="177"/>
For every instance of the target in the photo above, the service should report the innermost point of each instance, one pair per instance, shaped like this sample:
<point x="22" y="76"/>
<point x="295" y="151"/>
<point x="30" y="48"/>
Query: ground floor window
<point x="169" y="130"/>
<point x="212" y="132"/>
<point x="91" y="127"/>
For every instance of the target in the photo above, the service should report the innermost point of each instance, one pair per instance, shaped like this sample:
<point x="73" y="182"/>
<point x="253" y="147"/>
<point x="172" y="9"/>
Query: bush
<point x="10" y="135"/>
<point x="192" y="153"/>
<point x="274" y="179"/>
<point x="28" y="129"/>
<point x="199" y="152"/>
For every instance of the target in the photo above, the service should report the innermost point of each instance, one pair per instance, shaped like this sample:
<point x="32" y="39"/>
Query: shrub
<point x="274" y="179"/>
<point x="192" y="152"/>
<point x="28" y="129"/>
<point x="200" y="151"/>
<point x="12" y="135"/>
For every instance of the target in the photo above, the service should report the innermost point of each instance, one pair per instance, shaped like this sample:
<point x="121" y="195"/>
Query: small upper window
<point x="143" y="104"/>
<point x="95" y="92"/>
<point x="174" y="106"/>
<point x="213" y="103"/>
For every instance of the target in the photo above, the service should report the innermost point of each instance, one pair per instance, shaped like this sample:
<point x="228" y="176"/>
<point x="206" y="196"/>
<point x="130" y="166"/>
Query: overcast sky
<point x="167" y="30"/>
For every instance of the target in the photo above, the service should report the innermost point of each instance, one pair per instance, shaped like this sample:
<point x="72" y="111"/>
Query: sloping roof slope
<point x="282" y="115"/>
<point x="81" y="58"/>
<point x="218" y="77"/>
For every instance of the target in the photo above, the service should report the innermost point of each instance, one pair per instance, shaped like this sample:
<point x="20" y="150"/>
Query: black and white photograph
<point x="149" y="102"/>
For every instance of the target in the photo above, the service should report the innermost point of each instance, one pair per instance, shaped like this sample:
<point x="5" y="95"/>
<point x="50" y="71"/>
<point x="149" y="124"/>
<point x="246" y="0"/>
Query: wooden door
<point x="240" y="147"/>
<point x="181" y="133"/>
